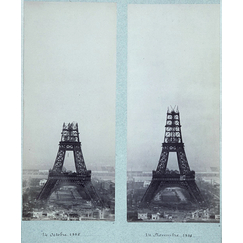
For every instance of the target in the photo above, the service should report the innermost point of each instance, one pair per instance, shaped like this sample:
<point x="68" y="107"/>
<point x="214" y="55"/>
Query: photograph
<point x="121" y="121"/>
<point x="69" y="88"/>
<point x="173" y="113"/>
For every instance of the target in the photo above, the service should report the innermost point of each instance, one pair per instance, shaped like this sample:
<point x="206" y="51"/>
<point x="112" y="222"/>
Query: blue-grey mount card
<point x="121" y="121"/>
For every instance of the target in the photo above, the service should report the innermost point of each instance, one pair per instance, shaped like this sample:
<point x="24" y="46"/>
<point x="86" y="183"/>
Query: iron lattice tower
<point x="160" y="177"/>
<point x="81" y="178"/>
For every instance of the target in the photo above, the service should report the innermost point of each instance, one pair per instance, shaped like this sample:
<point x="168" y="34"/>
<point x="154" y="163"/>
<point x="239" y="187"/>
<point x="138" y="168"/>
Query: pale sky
<point x="173" y="59"/>
<point x="69" y="75"/>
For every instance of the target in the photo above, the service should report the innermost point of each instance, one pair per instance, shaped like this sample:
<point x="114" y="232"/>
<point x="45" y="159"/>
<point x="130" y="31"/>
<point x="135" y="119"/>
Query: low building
<point x="37" y="214"/>
<point x="42" y="182"/>
<point x="142" y="216"/>
<point x="146" y="183"/>
<point x="74" y="217"/>
<point x="194" y="215"/>
<point x="98" y="214"/>
<point x="206" y="214"/>
<point x="154" y="216"/>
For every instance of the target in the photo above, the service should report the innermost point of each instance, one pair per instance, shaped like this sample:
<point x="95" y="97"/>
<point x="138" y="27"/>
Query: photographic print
<point x="173" y="99"/>
<point x="69" y="69"/>
<point x="121" y="118"/>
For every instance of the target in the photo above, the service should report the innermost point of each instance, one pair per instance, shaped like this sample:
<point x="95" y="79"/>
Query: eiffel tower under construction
<point x="81" y="179"/>
<point x="185" y="179"/>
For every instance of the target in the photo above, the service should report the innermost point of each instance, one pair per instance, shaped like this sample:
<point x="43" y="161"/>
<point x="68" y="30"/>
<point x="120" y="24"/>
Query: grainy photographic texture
<point x="69" y="75"/>
<point x="173" y="99"/>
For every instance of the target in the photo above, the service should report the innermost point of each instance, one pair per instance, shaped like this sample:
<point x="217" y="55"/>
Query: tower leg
<point x="90" y="190"/>
<point x="79" y="159"/>
<point x="59" y="159"/>
<point x="163" y="160"/>
<point x="150" y="193"/>
<point x="195" y="192"/>
<point x="182" y="161"/>
<point x="47" y="189"/>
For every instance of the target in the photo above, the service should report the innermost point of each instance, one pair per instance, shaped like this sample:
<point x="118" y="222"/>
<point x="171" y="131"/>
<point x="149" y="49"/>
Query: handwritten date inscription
<point x="167" y="235"/>
<point x="61" y="234"/>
